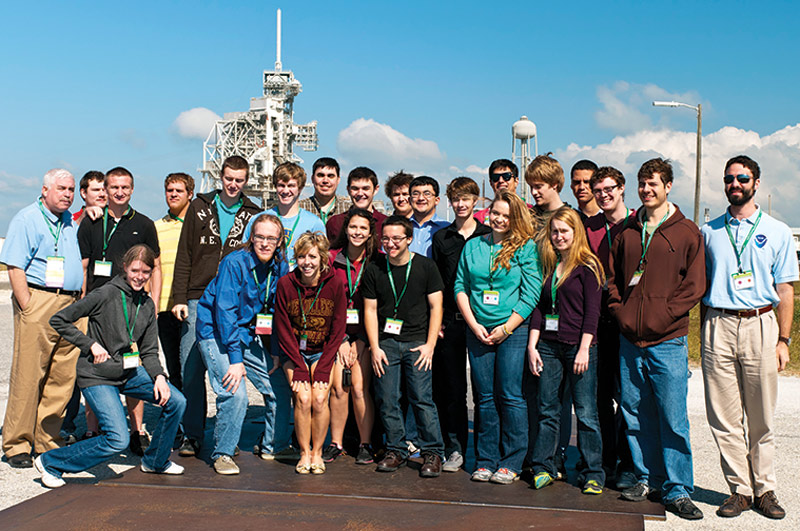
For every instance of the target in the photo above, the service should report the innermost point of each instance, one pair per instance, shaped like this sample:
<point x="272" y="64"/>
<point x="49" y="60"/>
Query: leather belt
<point x="746" y="313"/>
<point x="57" y="291"/>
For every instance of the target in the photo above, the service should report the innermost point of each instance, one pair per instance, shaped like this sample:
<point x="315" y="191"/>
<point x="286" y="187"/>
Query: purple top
<point x="577" y="306"/>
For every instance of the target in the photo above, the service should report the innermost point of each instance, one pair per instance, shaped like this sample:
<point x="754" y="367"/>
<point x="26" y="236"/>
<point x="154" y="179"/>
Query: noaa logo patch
<point x="761" y="240"/>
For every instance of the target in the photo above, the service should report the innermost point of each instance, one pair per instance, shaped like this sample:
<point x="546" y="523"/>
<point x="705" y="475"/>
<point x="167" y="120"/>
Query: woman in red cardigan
<point x="310" y="314"/>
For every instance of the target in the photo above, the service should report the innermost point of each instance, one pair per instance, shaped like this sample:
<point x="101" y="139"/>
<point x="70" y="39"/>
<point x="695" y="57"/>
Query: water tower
<point x="523" y="130"/>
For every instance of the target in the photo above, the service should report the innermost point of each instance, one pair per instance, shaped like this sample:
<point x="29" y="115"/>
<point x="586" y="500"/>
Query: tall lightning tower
<point x="265" y="135"/>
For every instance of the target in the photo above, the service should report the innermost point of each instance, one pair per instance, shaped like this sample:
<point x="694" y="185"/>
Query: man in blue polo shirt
<point x="424" y="192"/>
<point x="44" y="267"/>
<point x="747" y="321"/>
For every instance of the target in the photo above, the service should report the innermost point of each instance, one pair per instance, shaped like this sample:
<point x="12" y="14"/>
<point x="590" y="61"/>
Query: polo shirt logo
<point x="761" y="240"/>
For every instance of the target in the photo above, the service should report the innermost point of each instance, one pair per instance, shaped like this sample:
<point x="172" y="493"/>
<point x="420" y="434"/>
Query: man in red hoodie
<point x="656" y="275"/>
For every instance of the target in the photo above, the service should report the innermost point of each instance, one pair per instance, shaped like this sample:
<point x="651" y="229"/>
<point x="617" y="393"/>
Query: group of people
<point x="336" y="307"/>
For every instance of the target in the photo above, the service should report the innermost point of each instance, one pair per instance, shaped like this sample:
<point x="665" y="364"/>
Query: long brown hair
<point x="520" y="228"/>
<point x="579" y="254"/>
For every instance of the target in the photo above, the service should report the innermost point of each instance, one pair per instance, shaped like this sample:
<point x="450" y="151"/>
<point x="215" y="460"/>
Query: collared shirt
<point x="29" y="242"/>
<point x="169" y="233"/>
<point x="307" y="222"/>
<point x="423" y="234"/>
<point x="770" y="255"/>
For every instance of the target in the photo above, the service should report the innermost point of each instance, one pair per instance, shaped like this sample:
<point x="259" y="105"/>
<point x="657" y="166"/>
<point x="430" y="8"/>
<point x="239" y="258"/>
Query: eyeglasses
<point x="607" y="190"/>
<point x="743" y="179"/>
<point x="425" y="193"/>
<point x="397" y="240"/>
<point x="506" y="176"/>
<point x="271" y="240"/>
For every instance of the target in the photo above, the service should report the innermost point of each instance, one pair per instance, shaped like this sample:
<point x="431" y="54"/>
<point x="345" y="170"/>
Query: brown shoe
<point x="431" y="467"/>
<point x="734" y="505"/>
<point x="390" y="462"/>
<point x="767" y="504"/>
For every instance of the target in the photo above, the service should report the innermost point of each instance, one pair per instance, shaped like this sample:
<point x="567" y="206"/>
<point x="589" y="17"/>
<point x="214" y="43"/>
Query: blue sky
<point x="95" y="85"/>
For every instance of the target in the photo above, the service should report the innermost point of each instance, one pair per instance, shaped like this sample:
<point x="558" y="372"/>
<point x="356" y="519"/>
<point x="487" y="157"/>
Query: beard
<point x="746" y="195"/>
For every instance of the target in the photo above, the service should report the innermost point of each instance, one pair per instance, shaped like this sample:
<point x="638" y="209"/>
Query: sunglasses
<point x="506" y="176"/>
<point x="743" y="179"/>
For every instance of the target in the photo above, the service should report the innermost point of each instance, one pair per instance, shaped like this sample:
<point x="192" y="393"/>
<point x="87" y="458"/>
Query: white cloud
<point x="376" y="144"/>
<point x="474" y="168"/>
<point x="195" y="123"/>
<point x="624" y="106"/>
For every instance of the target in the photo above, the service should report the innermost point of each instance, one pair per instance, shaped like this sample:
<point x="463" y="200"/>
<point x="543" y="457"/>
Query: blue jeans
<point x="193" y="376"/>
<point x="232" y="407"/>
<point x="654" y="383"/>
<point x="114" y="435"/>
<point x="420" y="396"/>
<point x="501" y="414"/>
<point x="557" y="379"/>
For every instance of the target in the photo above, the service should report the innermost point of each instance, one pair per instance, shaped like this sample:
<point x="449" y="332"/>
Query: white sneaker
<point x="453" y="463"/>
<point x="172" y="469"/>
<point x="48" y="479"/>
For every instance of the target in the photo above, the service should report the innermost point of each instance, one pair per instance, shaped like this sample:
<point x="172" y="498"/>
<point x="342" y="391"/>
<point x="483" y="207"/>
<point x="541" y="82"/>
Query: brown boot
<point x="767" y="504"/>
<point x="734" y="505"/>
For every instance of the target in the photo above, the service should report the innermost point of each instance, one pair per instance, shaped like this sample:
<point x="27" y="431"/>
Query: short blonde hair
<point x="289" y="171"/>
<point x="545" y="169"/>
<point x="309" y="239"/>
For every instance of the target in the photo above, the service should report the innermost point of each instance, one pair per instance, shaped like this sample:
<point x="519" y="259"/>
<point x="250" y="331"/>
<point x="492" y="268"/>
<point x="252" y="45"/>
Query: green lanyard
<point x="322" y="214"/>
<point x="350" y="287"/>
<point x="128" y="324"/>
<point x="59" y="225"/>
<point x="647" y="241"/>
<point x="746" y="240"/>
<point x="176" y="218"/>
<point x="107" y="237"/>
<point x="291" y="234"/>
<point x="554" y="287"/>
<point x="266" y="293"/>
<point x="492" y="255"/>
<point x="391" y="283"/>
<point x="300" y="300"/>
<point x="608" y="230"/>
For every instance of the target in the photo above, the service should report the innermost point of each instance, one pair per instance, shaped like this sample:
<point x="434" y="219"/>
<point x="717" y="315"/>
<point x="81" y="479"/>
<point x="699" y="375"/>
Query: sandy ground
<point x="710" y="489"/>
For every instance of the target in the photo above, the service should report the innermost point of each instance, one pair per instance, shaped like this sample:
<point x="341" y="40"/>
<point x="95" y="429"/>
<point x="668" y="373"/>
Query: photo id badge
<point x="54" y="274"/>
<point x="352" y="316"/>
<point x="743" y="280"/>
<point x="102" y="268"/>
<point x="130" y="360"/>
<point x="264" y="324"/>
<point x="303" y="342"/>
<point x="637" y="276"/>
<point x="393" y="326"/>
<point x="491" y="297"/>
<point x="551" y="323"/>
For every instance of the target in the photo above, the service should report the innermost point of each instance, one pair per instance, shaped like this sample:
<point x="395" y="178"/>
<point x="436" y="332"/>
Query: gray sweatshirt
<point x="103" y="307"/>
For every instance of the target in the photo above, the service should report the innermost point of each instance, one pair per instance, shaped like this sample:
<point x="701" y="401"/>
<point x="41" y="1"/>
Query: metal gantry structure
<point x="265" y="135"/>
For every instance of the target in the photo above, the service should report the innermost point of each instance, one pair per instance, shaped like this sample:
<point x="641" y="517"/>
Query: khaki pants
<point x="42" y="376"/>
<point x="740" y="372"/>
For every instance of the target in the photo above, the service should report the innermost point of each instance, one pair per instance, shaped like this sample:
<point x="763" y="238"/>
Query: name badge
<point x="551" y="323"/>
<point x="352" y="316"/>
<point x="393" y="326"/>
<point x="637" y="276"/>
<point x="743" y="280"/>
<point x="130" y="360"/>
<point x="303" y="342"/>
<point x="491" y="298"/>
<point x="102" y="268"/>
<point x="54" y="274"/>
<point x="264" y="324"/>
<point x="292" y="265"/>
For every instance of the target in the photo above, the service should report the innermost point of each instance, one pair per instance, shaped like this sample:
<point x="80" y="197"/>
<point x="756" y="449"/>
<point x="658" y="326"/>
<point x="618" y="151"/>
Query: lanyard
<point x="350" y="287"/>
<point x="128" y="324"/>
<point x="391" y="283"/>
<point x="59" y="225"/>
<point x="176" y="218"/>
<point x="647" y="241"/>
<point x="107" y="237"/>
<point x="322" y="214"/>
<point x="266" y="293"/>
<point x="491" y="261"/>
<point x="291" y="233"/>
<point x="554" y="287"/>
<point x="608" y="230"/>
<point x="746" y="240"/>
<point x="300" y="300"/>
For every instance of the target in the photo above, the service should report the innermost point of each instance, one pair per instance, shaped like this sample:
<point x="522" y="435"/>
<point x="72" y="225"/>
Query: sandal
<point x="303" y="468"/>
<point x="318" y="468"/>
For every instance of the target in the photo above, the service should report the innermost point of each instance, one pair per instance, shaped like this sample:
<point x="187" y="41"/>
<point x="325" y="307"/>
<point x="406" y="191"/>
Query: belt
<point x="57" y="291"/>
<point x="747" y="313"/>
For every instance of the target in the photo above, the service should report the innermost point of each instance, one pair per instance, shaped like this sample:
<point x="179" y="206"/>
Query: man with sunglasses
<point x="503" y="175"/>
<point x="747" y="320"/>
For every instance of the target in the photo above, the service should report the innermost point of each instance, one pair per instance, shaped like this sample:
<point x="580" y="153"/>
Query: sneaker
<point x="139" y="442"/>
<point x="638" y="492"/>
<point x="332" y="452"/>
<point x="69" y="439"/>
<point x="454" y="462"/>
<point x="482" y="474"/>
<point x="542" y="479"/>
<point x="48" y="480"/>
<point x="734" y="505"/>
<point x="504" y="477"/>
<point x="767" y="504"/>
<point x="172" y="469"/>
<point x="224" y="465"/>
<point x="189" y="447"/>
<point x="592" y="487"/>
<point x="413" y="451"/>
<point x="625" y="480"/>
<point x="684" y="508"/>
<point x="365" y="455"/>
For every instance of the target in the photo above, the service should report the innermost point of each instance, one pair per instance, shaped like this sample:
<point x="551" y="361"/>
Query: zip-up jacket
<point x="674" y="280"/>
<point x="200" y="248"/>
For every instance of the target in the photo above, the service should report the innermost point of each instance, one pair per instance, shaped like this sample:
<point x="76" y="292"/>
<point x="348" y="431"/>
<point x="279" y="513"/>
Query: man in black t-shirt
<point x="403" y="315"/>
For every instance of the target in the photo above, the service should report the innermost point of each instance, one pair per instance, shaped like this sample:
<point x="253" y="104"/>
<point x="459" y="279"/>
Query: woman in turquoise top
<point x="497" y="286"/>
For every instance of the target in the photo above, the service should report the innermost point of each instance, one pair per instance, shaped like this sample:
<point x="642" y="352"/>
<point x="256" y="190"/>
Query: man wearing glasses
<point x="424" y="199"/>
<point x="503" y="175"/>
<point x="747" y="321"/>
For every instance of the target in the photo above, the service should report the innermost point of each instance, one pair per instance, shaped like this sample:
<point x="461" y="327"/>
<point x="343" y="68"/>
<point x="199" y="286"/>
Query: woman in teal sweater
<point x="497" y="286"/>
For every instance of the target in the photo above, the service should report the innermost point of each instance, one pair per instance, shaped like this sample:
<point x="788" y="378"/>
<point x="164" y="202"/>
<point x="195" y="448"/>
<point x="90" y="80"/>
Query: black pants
<point x="169" y="333"/>
<point x="450" y="386"/>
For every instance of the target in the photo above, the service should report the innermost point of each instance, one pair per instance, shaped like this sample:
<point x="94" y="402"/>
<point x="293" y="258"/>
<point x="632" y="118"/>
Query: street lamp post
<point x="699" y="110"/>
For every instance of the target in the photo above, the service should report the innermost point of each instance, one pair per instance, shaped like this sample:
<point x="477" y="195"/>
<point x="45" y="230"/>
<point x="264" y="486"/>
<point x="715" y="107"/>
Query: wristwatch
<point x="787" y="340"/>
